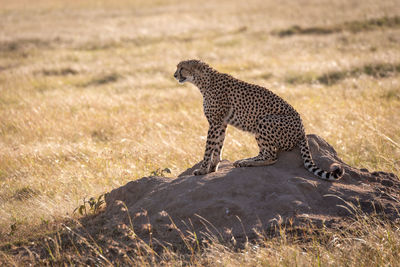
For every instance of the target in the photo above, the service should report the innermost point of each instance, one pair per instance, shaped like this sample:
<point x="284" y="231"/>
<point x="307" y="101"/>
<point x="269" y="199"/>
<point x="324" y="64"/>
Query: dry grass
<point x="88" y="101"/>
<point x="366" y="241"/>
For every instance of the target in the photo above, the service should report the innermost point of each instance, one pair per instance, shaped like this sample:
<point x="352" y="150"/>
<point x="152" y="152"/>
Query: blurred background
<point x="88" y="101"/>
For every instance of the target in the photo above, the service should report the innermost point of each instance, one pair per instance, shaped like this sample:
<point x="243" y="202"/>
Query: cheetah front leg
<point x="212" y="154"/>
<point x="217" y="153"/>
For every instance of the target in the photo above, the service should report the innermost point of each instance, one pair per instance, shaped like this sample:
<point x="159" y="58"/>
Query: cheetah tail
<point x="336" y="170"/>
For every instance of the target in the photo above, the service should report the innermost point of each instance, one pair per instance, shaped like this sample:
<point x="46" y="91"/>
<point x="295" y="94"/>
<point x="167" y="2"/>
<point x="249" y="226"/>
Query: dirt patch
<point x="104" y="79"/>
<point x="234" y="202"/>
<point x="376" y="70"/>
<point x="59" y="72"/>
<point x="350" y="26"/>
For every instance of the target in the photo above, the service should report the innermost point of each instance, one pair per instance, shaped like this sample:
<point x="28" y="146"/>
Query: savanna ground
<point x="88" y="102"/>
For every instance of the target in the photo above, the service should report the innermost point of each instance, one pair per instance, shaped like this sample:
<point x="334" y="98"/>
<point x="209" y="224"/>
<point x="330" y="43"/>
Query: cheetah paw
<point x="239" y="163"/>
<point x="200" y="171"/>
<point x="214" y="168"/>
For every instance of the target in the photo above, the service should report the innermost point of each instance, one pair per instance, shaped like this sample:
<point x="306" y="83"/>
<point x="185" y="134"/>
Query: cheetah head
<point x="187" y="70"/>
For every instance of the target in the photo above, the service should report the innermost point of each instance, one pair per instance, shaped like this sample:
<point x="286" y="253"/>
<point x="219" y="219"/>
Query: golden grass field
<point x="88" y="100"/>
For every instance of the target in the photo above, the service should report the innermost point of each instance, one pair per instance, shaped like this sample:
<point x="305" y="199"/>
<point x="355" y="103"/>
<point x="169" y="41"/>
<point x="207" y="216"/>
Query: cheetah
<point x="275" y="124"/>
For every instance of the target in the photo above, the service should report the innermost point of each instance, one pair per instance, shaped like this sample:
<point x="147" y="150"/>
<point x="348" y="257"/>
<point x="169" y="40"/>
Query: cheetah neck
<point x="205" y="80"/>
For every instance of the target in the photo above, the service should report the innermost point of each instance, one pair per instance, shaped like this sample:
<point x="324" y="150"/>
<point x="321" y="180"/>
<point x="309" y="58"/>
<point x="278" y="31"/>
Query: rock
<point x="236" y="201"/>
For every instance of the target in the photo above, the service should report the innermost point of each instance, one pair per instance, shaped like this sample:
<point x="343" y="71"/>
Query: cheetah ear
<point x="199" y="69"/>
<point x="196" y="70"/>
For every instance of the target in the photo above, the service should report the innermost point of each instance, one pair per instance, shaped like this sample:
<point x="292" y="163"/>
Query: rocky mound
<point x="236" y="201"/>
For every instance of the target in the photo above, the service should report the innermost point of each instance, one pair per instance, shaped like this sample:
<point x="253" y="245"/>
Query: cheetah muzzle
<point x="275" y="124"/>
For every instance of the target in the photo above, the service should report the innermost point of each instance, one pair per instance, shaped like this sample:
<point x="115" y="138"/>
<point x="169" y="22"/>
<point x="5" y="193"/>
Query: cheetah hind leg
<point x="259" y="160"/>
<point x="267" y="155"/>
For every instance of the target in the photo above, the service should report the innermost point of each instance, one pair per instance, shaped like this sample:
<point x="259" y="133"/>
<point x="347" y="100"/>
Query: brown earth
<point x="236" y="202"/>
